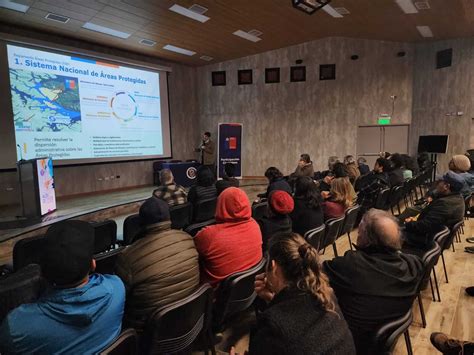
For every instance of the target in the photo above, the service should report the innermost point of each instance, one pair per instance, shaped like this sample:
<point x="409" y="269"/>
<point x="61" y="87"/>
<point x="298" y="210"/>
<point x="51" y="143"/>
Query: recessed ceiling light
<point x="189" y="13"/>
<point x="201" y="10"/>
<point x="147" y="42"/>
<point x="425" y="31"/>
<point x="206" y="58"/>
<point x="57" y="18"/>
<point x="247" y="36"/>
<point x="172" y="48"/>
<point x="332" y="11"/>
<point x="422" y="5"/>
<point x="10" y="5"/>
<point x="108" y="31"/>
<point x="342" y="10"/>
<point x="407" y="6"/>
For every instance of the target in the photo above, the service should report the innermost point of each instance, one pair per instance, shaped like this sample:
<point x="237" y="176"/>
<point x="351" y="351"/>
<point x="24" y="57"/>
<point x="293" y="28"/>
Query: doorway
<point x="371" y="140"/>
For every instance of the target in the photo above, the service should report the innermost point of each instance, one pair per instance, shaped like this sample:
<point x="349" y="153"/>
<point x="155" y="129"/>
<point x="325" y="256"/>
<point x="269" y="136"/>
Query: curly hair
<point x="341" y="192"/>
<point x="301" y="268"/>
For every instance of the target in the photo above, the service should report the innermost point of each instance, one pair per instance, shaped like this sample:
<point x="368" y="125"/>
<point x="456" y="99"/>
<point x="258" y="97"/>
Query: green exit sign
<point x="384" y="120"/>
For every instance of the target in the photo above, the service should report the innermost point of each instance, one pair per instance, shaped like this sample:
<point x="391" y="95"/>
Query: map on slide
<point x="45" y="102"/>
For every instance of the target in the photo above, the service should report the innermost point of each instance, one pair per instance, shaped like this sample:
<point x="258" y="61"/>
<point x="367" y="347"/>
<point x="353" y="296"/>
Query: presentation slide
<point x="67" y="107"/>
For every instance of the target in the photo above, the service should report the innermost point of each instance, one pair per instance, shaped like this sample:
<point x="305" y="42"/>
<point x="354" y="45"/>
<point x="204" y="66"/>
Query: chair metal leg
<point x="408" y="342"/>
<point x="436" y="284"/>
<point x="398" y="208"/>
<point x="452" y="244"/>
<point x="444" y="267"/>
<point x="335" y="249"/>
<point x="432" y="290"/>
<point x="350" y="241"/>
<point x="422" y="311"/>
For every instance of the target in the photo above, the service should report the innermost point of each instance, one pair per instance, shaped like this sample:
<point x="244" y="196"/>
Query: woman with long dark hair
<point x="302" y="316"/>
<point x="307" y="213"/>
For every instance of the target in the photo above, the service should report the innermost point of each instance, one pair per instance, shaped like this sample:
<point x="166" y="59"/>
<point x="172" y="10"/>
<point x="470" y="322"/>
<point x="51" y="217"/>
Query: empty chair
<point x="259" y="210"/>
<point x="443" y="238"/>
<point x="204" y="210"/>
<point x="181" y="215"/>
<point x="349" y="222"/>
<point x="174" y="328"/>
<point x="315" y="236"/>
<point x="430" y="258"/>
<point x="27" y="251"/>
<point x="396" y="194"/>
<point x="125" y="344"/>
<point x="131" y="227"/>
<point x="386" y="337"/>
<point x="105" y="262"/>
<point x="235" y="294"/>
<point x="194" y="228"/>
<point x="105" y="235"/>
<point x="23" y="286"/>
<point x="333" y="226"/>
<point x="382" y="202"/>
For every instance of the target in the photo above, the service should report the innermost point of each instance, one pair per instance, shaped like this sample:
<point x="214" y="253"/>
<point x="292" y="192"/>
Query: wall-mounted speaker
<point x="327" y="72"/>
<point x="401" y="54"/>
<point x="218" y="78"/>
<point x="354" y="57"/>
<point x="444" y="58"/>
<point x="299" y="61"/>
<point x="297" y="74"/>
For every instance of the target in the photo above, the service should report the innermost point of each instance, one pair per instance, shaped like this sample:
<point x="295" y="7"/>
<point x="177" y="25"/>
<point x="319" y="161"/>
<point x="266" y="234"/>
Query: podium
<point x="36" y="187"/>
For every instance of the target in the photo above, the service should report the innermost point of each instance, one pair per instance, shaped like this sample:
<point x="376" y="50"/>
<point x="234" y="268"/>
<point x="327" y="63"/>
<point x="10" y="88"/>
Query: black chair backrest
<point x="181" y="215"/>
<point x="175" y="161"/>
<point x="396" y="193"/>
<point x="315" y="236"/>
<point x="430" y="259"/>
<point x="194" y="228"/>
<point x="386" y="337"/>
<point x="235" y="294"/>
<point x="27" y="251"/>
<point x="382" y="202"/>
<point x="259" y="210"/>
<point x="105" y="234"/>
<point x="443" y="238"/>
<point x="172" y="329"/>
<point x="125" y="344"/>
<point x="105" y="262"/>
<point x="350" y="220"/>
<point x="333" y="226"/>
<point x="204" y="210"/>
<point x="131" y="227"/>
<point x="24" y="286"/>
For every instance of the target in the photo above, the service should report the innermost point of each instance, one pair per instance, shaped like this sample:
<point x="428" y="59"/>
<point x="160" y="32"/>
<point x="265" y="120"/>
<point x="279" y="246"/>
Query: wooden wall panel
<point x="316" y="117"/>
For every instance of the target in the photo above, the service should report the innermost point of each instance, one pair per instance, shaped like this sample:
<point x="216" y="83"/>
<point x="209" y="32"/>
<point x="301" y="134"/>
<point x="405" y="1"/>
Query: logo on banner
<point x="191" y="173"/>
<point x="231" y="143"/>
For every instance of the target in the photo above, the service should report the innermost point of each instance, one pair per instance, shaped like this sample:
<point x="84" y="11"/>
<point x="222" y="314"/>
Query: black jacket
<point x="273" y="225"/>
<point x="395" y="177"/>
<point x="277" y="184"/>
<point x="373" y="286"/>
<point x="226" y="182"/>
<point x="442" y="211"/>
<point x="295" y="323"/>
<point x="305" y="218"/>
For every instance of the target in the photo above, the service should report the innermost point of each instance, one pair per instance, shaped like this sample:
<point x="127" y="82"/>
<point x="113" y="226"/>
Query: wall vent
<point x="57" y="18"/>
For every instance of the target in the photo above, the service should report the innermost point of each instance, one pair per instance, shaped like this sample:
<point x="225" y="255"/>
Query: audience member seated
<point x="424" y="161"/>
<point x="395" y="173"/>
<point x="448" y="346"/>
<point x="170" y="192"/>
<point x="276" y="181"/>
<point x="411" y="165"/>
<point x="79" y="313"/>
<point x="233" y="244"/>
<point x="280" y="205"/>
<point x="370" y="185"/>
<point x="375" y="283"/>
<point x="363" y="167"/>
<point x="302" y="316"/>
<point x="446" y="209"/>
<point x="460" y="164"/>
<point x="205" y="186"/>
<point x="307" y="213"/>
<point x="338" y="200"/>
<point x="352" y="168"/>
<point x="305" y="167"/>
<point x="159" y="268"/>
<point x="228" y="180"/>
<point x="339" y="170"/>
<point x="471" y="161"/>
<point x="322" y="174"/>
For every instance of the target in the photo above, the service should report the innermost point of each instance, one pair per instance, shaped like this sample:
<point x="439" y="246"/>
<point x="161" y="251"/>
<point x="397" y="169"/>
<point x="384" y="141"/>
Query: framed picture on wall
<point x="297" y="74"/>
<point x="245" y="77"/>
<point x="327" y="72"/>
<point x="272" y="75"/>
<point x="218" y="78"/>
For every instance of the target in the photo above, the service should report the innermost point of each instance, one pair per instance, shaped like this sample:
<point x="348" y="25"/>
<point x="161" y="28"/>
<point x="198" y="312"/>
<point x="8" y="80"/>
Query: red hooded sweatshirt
<point x="233" y="244"/>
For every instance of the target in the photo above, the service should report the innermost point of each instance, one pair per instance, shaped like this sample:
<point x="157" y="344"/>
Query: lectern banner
<point x="47" y="196"/>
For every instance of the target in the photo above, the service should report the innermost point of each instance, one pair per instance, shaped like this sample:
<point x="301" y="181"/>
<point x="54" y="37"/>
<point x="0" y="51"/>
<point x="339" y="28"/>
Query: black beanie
<point x="68" y="252"/>
<point x="154" y="210"/>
